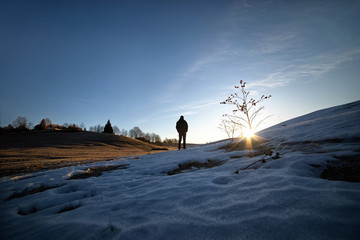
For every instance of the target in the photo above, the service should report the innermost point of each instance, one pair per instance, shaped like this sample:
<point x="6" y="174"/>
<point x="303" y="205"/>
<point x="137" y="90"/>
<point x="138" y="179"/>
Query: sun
<point x="248" y="133"/>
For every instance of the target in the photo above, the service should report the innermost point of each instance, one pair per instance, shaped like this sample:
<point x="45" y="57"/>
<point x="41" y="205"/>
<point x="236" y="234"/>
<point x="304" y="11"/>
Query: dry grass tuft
<point x="255" y="147"/>
<point x="97" y="171"/>
<point x="159" y="149"/>
<point x="194" y="164"/>
<point x="346" y="169"/>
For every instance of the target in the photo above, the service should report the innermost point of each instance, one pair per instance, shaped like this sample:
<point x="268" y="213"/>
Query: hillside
<point x="33" y="151"/>
<point x="277" y="189"/>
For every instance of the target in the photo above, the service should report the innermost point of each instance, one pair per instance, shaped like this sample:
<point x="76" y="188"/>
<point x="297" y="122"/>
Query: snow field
<point x="283" y="198"/>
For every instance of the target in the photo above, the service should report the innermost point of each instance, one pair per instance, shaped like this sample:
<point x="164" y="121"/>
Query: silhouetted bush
<point x="22" y="129"/>
<point x="7" y="129"/>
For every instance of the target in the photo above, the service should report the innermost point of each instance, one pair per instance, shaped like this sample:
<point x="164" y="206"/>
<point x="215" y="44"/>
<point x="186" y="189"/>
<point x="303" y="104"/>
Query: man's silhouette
<point x="182" y="128"/>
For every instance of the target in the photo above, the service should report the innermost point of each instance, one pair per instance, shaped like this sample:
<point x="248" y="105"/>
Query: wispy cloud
<point x="277" y="40"/>
<point x="140" y="121"/>
<point x="191" y="108"/>
<point x="199" y="64"/>
<point x="216" y="55"/>
<point x="179" y="114"/>
<point x="312" y="67"/>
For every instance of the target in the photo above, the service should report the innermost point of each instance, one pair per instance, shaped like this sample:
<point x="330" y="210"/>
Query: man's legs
<point x="184" y="138"/>
<point x="180" y="136"/>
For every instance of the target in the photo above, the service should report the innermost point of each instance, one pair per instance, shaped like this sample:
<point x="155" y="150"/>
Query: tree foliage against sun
<point x="247" y="112"/>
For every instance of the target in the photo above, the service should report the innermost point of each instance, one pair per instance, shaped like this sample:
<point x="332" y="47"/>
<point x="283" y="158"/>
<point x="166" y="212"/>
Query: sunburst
<point x="247" y="133"/>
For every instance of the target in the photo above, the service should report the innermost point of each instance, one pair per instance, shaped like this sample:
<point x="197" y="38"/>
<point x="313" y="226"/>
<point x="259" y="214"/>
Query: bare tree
<point x="153" y="137"/>
<point x="97" y="128"/>
<point x="132" y="133"/>
<point x="47" y="121"/>
<point x="249" y="110"/>
<point x="20" y="122"/>
<point x="147" y="137"/>
<point x="124" y="132"/>
<point x="230" y="127"/>
<point x="30" y="125"/>
<point x="136" y="132"/>
<point x="116" y="129"/>
<point x="157" y="138"/>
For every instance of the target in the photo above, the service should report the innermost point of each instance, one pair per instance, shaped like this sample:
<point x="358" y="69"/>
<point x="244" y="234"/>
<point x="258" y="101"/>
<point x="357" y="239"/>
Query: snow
<point x="283" y="198"/>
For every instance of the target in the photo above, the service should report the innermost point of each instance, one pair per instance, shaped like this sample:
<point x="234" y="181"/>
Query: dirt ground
<point x="22" y="153"/>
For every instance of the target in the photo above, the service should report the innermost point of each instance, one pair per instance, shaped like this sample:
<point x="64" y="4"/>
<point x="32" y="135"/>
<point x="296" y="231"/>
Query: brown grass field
<point x="22" y="153"/>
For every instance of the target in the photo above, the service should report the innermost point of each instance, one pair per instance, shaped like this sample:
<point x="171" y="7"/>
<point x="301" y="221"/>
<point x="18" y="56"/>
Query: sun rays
<point x="249" y="142"/>
<point x="248" y="133"/>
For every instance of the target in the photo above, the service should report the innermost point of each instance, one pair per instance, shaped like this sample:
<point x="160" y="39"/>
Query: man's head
<point x="182" y="117"/>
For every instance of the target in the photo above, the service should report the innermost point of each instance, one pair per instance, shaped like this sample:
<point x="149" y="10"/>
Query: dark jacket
<point x="181" y="125"/>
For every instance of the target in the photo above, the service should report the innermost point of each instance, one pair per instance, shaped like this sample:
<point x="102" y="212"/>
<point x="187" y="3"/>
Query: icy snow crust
<point x="282" y="199"/>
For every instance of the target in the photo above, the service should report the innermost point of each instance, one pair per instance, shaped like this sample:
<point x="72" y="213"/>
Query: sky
<point x="146" y="63"/>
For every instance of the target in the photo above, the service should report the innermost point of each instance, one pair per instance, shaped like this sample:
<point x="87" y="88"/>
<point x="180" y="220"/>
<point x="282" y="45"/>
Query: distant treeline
<point x="21" y="124"/>
<point x="136" y="133"/>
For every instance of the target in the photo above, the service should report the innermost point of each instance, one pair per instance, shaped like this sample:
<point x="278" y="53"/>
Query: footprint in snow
<point x="222" y="180"/>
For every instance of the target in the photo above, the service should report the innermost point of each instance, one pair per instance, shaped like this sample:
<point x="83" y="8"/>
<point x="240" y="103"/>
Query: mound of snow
<point x="336" y="123"/>
<point x="281" y="198"/>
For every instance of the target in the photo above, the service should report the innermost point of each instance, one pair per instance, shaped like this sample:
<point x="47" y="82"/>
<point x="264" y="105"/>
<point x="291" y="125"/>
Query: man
<point x="182" y="128"/>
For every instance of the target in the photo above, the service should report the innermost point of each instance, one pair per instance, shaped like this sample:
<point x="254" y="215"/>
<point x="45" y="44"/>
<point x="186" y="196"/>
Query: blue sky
<point x="145" y="63"/>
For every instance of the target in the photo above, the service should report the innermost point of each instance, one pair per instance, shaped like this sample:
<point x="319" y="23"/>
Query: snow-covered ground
<point x="283" y="198"/>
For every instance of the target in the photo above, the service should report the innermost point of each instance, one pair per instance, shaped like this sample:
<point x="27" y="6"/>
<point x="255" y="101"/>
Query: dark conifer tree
<point x="43" y="124"/>
<point x="108" y="128"/>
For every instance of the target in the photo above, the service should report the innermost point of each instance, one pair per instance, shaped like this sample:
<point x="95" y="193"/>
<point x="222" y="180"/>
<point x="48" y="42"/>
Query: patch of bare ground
<point x="346" y="168"/>
<point x="159" y="149"/>
<point x="255" y="146"/>
<point x="194" y="164"/>
<point x="97" y="171"/>
<point x="22" y="153"/>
